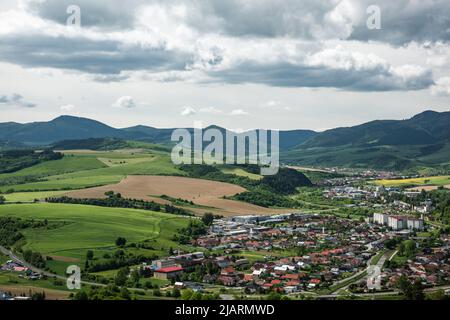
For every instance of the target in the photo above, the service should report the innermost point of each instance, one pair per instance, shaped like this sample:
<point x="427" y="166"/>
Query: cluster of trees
<point x="208" y="218"/>
<point x="194" y="230"/>
<point x="265" y="198"/>
<point x="207" y="172"/>
<point x="10" y="228"/>
<point x="196" y="295"/>
<point x="442" y="200"/>
<point x="14" y="180"/>
<point x="286" y="181"/>
<point x="92" y="144"/>
<point x="15" y="160"/>
<point x="270" y="191"/>
<point x="110" y="292"/>
<point x="116" y="201"/>
<point x="411" y="290"/>
<point x="407" y="248"/>
<point x="118" y="260"/>
<point x="34" y="258"/>
<point x="2" y="199"/>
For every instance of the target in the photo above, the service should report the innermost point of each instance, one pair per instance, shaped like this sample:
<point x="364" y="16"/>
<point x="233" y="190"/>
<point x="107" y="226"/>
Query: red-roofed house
<point x="248" y="277"/>
<point x="276" y="282"/>
<point x="168" y="273"/>
<point x="290" y="276"/>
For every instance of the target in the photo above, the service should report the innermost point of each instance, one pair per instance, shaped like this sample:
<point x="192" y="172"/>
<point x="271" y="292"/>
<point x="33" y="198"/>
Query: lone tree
<point x="2" y="199"/>
<point x="90" y="255"/>
<point x="208" y="219"/>
<point x="120" y="242"/>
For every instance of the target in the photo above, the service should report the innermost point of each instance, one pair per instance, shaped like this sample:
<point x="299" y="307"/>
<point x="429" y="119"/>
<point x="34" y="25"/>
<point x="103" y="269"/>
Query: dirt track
<point x="201" y="192"/>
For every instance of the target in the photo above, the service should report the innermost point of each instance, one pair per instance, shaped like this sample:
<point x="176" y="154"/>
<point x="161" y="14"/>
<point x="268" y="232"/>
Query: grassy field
<point x="242" y="173"/>
<point x="55" y="167"/>
<point x="83" y="170"/>
<point x="31" y="196"/>
<point x="96" y="228"/>
<point x="425" y="181"/>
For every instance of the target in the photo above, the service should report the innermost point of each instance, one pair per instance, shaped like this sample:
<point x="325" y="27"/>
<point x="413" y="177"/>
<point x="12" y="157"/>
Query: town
<point x="321" y="254"/>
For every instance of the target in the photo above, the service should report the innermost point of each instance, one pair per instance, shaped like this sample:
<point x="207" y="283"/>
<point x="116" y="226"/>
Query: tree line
<point x="117" y="201"/>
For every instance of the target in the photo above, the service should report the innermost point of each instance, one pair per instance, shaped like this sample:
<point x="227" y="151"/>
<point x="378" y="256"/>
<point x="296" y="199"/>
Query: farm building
<point x="168" y="273"/>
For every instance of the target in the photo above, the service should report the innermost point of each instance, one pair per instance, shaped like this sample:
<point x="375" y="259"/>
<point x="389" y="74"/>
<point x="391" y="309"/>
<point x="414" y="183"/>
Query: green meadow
<point x="31" y="196"/>
<point x="96" y="228"/>
<point x="84" y="170"/>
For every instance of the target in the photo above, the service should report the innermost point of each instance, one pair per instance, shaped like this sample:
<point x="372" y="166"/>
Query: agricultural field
<point x="206" y="193"/>
<point x="422" y="181"/>
<point x="85" y="228"/>
<point x="242" y="173"/>
<point x="82" y="169"/>
<point x="31" y="196"/>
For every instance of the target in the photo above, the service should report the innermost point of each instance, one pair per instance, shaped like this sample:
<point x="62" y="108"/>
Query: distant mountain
<point x="425" y="128"/>
<point x="61" y="128"/>
<point x="423" y="140"/>
<point x="68" y="128"/>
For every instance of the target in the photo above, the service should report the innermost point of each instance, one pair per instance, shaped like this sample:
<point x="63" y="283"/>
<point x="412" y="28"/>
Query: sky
<point x="240" y="64"/>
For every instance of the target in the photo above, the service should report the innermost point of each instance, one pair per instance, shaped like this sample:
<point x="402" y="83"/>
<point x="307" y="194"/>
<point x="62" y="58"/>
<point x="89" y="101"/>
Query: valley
<point x="120" y="209"/>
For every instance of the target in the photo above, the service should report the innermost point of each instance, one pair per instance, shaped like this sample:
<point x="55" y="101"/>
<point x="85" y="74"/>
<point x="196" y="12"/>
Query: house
<point x="290" y="289"/>
<point x="165" y="263"/>
<point x="227" y="280"/>
<point x="20" y="269"/>
<point x="248" y="278"/>
<point x="168" y="273"/>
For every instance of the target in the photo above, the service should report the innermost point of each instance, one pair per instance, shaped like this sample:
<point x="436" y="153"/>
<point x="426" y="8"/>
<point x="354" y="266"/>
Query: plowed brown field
<point x="201" y="192"/>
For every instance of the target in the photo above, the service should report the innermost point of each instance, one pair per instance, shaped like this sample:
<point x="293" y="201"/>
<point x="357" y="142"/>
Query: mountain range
<point x="423" y="140"/>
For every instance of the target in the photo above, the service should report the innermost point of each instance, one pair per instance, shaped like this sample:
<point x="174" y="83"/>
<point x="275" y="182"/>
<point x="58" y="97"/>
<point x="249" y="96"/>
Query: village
<point x="305" y="253"/>
<point x="312" y="254"/>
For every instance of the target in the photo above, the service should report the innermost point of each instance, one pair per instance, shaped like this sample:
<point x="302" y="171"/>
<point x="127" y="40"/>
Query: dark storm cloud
<point x="106" y="52"/>
<point x="98" y="13"/>
<point x="97" y="57"/>
<point x="289" y="75"/>
<point x="405" y="21"/>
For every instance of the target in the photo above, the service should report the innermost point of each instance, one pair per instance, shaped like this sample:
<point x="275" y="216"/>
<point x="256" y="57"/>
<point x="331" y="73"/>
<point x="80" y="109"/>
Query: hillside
<point x="425" y="128"/>
<point x="421" y="141"/>
<point x="68" y="129"/>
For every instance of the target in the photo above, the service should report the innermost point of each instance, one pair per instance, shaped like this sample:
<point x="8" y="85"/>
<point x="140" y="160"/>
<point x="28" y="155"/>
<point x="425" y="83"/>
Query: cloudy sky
<point x="241" y="64"/>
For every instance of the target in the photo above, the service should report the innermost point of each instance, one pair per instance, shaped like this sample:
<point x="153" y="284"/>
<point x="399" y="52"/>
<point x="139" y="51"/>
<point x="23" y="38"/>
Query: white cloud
<point x="239" y="112"/>
<point x="442" y="87"/>
<point x="257" y="42"/>
<point x="188" y="111"/>
<point x="210" y="110"/>
<point x="125" y="102"/>
<point x="67" y="107"/>
<point x="16" y="100"/>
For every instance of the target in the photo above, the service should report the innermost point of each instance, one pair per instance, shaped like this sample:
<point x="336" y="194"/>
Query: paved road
<point x="16" y="259"/>
<point x="369" y="270"/>
<point x="334" y="295"/>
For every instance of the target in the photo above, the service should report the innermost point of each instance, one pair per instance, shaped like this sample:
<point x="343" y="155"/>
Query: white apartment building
<point x="380" y="218"/>
<point x="398" y="222"/>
